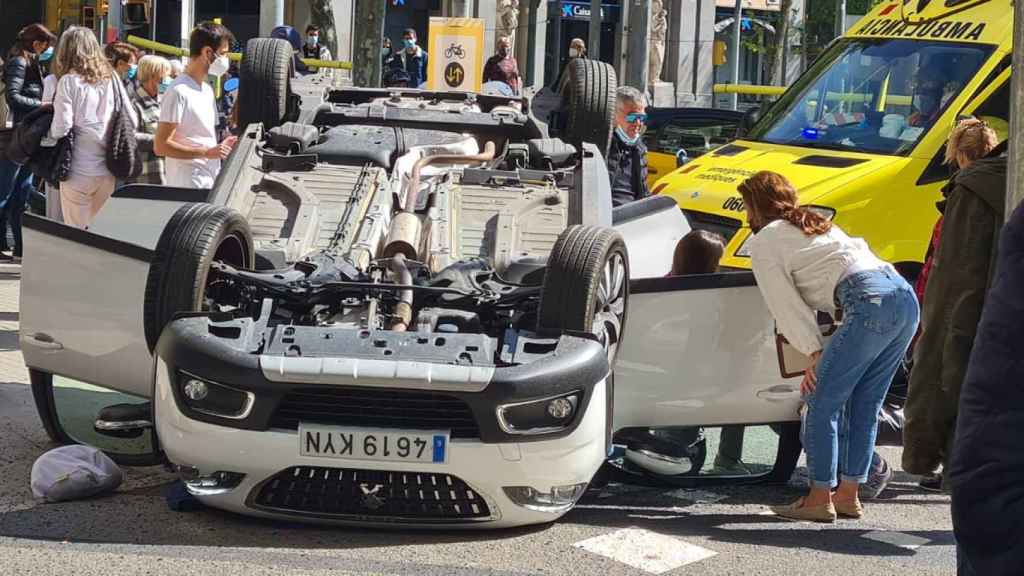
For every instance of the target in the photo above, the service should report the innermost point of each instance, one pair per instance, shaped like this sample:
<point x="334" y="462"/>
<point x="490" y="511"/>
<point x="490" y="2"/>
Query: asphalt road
<point x="621" y="530"/>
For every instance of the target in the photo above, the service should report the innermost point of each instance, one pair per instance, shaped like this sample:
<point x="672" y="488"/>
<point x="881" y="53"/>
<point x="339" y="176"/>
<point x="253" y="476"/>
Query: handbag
<point x="53" y="163"/>
<point x="122" y="148"/>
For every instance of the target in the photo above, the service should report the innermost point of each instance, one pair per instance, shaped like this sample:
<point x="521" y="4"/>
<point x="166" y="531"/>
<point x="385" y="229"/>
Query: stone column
<point x="794" y="53"/>
<point x="271" y="15"/>
<point x="689" y="51"/>
<point x="344" y="12"/>
<point x="639" y="42"/>
<point x="531" y="43"/>
<point x="488" y="11"/>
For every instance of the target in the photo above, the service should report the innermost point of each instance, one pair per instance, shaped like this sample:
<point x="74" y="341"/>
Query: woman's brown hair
<point x="769" y="196"/>
<point x="698" y="253"/>
<point x="28" y="36"/>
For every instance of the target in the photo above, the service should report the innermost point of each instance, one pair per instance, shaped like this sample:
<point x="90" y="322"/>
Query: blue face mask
<point x="46" y="55"/>
<point x="164" y="85"/>
<point x="312" y="40"/>
<point x="132" y="70"/>
<point x="625" y="137"/>
<point x="409" y="43"/>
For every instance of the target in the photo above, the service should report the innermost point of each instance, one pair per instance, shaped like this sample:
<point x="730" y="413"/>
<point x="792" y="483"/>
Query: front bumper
<point x="392" y="381"/>
<point x="484" y="468"/>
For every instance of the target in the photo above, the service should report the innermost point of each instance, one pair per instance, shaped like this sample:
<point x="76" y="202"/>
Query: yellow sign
<point x="456" y="54"/>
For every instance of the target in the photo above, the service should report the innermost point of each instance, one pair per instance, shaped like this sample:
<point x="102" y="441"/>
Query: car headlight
<point x="558" y="499"/>
<point x="826" y="213"/>
<point x="214" y="399"/>
<point x="542" y="416"/>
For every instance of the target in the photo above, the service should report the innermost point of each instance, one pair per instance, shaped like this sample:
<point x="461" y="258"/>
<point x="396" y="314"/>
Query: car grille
<point x="727" y="227"/>
<point x="399" y="409"/>
<point x="370" y="494"/>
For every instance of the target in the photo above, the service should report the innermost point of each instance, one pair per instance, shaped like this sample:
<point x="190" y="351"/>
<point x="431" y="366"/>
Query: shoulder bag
<point x="122" y="148"/>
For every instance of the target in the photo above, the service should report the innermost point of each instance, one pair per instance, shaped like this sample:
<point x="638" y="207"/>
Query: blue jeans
<point x="880" y="315"/>
<point x="15" y="186"/>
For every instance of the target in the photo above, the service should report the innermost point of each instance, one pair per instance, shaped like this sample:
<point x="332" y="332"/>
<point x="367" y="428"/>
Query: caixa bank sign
<point x="581" y="11"/>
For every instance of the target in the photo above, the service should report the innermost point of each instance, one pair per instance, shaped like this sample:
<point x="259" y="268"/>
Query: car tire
<point x="588" y="101"/>
<point x="264" y="82"/>
<point x="197" y="235"/>
<point x="586" y="283"/>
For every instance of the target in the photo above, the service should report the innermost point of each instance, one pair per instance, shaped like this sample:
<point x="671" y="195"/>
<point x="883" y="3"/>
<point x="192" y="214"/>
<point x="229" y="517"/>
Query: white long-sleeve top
<point x="87" y="109"/>
<point x="798" y="275"/>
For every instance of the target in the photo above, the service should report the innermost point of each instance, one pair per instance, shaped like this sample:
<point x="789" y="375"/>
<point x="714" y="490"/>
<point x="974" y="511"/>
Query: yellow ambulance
<point x="862" y="132"/>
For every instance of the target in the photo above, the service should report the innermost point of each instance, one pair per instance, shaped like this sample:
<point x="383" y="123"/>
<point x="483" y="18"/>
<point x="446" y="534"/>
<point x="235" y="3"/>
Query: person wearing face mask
<point x="412" y="59"/>
<point x="577" y="48"/>
<point x="23" y="91"/>
<point x="502" y="67"/>
<point x="154" y="80"/>
<point x="314" y="49"/>
<point x="627" y="156"/>
<point x="931" y="94"/>
<point x="124" y="58"/>
<point x="387" y="53"/>
<point x="187" y="134"/>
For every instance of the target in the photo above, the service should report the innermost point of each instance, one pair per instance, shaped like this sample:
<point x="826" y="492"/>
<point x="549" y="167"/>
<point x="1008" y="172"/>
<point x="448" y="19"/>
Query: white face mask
<point x="220" y="66"/>
<point x="573" y="53"/>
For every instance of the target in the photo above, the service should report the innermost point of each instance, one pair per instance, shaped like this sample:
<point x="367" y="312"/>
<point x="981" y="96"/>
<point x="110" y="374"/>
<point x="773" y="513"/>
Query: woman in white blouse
<point x="804" y="264"/>
<point x="84" y="101"/>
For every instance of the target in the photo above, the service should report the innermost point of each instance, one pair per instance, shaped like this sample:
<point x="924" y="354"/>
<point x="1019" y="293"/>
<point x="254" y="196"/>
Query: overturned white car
<point x="393" y="308"/>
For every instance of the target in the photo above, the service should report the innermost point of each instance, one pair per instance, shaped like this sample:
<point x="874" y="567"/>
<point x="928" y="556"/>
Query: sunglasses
<point x="636" y="117"/>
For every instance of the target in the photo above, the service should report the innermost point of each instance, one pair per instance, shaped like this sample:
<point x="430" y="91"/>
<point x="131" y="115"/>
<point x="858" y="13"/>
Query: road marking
<point x="649" y="551"/>
<point x="905" y="541"/>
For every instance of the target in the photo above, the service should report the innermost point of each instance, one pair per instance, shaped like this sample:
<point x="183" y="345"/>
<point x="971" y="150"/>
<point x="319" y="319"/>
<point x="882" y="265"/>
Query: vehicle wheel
<point x="586" y="285"/>
<point x="264" y="82"/>
<point x="588" y="101"/>
<point x="196" y="236"/>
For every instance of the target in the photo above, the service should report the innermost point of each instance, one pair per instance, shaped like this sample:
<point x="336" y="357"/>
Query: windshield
<point x="877" y="96"/>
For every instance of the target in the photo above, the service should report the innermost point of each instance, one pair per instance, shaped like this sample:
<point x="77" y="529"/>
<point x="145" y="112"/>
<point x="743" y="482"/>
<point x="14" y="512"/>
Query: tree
<point x="323" y="16"/>
<point x="782" y="38"/>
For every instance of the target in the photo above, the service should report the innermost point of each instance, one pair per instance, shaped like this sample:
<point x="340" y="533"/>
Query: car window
<point x="996" y="111"/>
<point x="877" y="96"/>
<point x="695" y="135"/>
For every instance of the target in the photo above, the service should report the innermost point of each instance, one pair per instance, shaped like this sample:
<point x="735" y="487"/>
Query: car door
<point x="694" y="130"/>
<point x="83" y="291"/>
<point x="698" y="350"/>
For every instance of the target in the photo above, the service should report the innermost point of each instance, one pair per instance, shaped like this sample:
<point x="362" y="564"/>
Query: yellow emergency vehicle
<point x="862" y="133"/>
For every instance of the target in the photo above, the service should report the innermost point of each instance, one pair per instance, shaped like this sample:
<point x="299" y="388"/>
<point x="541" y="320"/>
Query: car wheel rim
<point x="610" y="305"/>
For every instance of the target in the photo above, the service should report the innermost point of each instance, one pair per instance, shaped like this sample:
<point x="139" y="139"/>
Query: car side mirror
<point x="750" y="118"/>
<point x="681" y="157"/>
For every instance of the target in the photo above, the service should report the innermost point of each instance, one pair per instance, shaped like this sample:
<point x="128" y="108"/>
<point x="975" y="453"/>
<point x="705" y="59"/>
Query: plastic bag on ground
<point x="73" y="473"/>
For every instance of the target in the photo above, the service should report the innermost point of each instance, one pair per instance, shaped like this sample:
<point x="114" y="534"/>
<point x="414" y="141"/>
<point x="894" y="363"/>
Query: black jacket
<point x="23" y="79"/>
<point x="987" y="468"/>
<point x="961" y="272"/>
<point x="627" y="169"/>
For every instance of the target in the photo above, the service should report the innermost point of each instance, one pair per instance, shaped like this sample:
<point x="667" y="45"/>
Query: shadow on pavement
<point x="139" y="516"/>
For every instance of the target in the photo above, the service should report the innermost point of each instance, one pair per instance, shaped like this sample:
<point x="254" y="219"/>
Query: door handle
<point x="43" y="341"/>
<point x="779" y="394"/>
<point x="651" y="170"/>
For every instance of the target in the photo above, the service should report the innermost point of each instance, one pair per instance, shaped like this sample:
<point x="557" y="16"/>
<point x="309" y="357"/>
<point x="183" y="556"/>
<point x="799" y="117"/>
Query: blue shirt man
<point x="412" y="59"/>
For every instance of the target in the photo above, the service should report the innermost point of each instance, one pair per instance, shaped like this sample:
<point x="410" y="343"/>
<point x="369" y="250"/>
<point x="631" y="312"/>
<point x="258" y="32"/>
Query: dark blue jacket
<point x="987" y="468"/>
<point x="415" y="65"/>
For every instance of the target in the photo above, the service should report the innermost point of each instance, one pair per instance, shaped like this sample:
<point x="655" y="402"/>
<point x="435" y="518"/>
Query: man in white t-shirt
<point x="187" y="134"/>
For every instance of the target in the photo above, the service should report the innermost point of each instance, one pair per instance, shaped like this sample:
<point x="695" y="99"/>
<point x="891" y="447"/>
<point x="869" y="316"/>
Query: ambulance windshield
<point x="877" y="96"/>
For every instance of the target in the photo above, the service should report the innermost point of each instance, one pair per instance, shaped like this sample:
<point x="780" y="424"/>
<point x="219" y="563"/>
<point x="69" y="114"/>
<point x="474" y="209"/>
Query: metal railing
<point x="235" y="56"/>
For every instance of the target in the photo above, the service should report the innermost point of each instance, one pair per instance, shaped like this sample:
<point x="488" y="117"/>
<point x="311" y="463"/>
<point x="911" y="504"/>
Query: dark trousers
<point x="15" y="186"/>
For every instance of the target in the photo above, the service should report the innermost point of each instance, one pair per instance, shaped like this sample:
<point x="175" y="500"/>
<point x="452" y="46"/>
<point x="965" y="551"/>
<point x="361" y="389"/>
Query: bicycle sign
<point x="456" y="54"/>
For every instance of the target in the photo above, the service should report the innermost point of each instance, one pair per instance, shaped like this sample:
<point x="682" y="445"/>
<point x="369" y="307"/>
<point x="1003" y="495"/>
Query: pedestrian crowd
<point x="89" y="118"/>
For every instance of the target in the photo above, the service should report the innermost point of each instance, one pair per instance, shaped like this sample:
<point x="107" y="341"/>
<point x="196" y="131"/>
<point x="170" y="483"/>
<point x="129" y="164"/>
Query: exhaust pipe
<point x="404" y="234"/>
<point x="403" y="310"/>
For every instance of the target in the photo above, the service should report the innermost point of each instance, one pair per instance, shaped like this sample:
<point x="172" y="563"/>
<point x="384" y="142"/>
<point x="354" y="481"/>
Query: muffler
<point x="404" y="236"/>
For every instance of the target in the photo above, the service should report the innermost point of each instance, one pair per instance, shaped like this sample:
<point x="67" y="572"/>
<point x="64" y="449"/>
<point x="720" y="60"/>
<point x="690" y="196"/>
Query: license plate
<point x="373" y="444"/>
